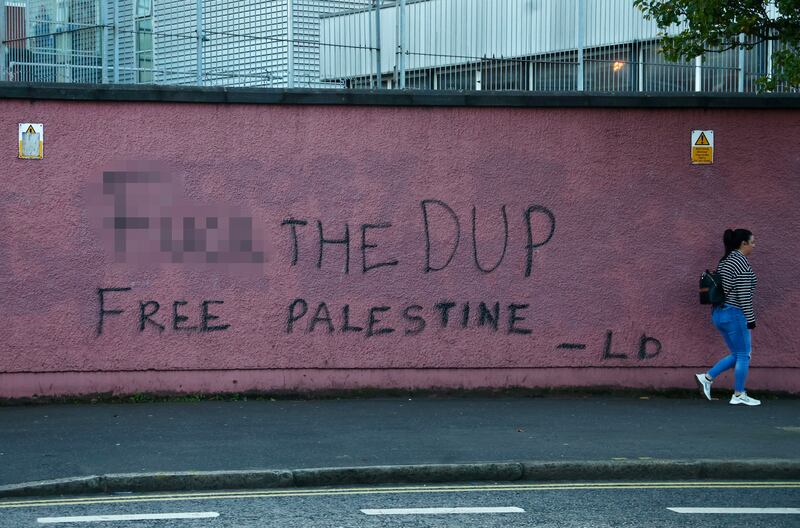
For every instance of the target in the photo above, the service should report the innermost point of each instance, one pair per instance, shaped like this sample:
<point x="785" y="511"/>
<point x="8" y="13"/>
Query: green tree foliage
<point x="715" y="25"/>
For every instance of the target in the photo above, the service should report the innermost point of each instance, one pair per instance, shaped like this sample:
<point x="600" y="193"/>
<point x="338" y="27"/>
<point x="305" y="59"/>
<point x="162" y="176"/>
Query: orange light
<point x="618" y="65"/>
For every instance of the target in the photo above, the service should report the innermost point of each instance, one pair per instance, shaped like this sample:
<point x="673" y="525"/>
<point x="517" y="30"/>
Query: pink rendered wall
<point x="633" y="223"/>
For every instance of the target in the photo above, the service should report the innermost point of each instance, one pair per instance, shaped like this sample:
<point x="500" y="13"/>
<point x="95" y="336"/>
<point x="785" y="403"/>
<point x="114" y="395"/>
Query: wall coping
<point x="224" y="95"/>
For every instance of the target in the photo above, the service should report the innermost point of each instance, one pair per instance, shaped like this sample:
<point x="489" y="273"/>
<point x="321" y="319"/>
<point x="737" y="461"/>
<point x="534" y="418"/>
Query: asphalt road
<point x="55" y="441"/>
<point x="540" y="505"/>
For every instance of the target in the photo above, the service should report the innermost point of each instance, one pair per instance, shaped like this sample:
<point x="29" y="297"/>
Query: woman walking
<point x="734" y="319"/>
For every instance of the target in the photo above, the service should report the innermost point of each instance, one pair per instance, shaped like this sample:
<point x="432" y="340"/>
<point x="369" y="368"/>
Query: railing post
<point x="769" y="59"/>
<point x="401" y="44"/>
<point x="290" y="44"/>
<point x="116" y="41"/>
<point x="581" y="30"/>
<point x="698" y="73"/>
<point x="3" y="48"/>
<point x="640" y="66"/>
<point x="741" y="63"/>
<point x="378" y="70"/>
<point x="104" y="46"/>
<point x="200" y="38"/>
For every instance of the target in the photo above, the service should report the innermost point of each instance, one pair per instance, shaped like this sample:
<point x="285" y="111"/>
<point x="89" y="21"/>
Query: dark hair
<point x="733" y="239"/>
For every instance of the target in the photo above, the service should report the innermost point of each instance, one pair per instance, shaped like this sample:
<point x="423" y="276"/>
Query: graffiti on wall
<point x="146" y="221"/>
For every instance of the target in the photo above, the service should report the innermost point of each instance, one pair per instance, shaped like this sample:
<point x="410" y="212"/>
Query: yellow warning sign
<point x="702" y="155"/>
<point x="702" y="140"/>
<point x="702" y="147"/>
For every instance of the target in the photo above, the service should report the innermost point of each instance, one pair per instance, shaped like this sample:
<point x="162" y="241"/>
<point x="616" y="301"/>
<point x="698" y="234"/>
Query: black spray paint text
<point x="178" y="317"/>
<point x="445" y="251"/>
<point x="409" y="320"/>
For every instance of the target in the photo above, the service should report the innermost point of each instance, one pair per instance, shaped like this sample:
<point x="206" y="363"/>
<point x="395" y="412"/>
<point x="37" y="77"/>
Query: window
<point x="144" y="40"/>
<point x="144" y="8"/>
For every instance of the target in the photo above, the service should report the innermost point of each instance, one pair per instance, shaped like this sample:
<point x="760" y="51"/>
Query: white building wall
<point x="443" y="33"/>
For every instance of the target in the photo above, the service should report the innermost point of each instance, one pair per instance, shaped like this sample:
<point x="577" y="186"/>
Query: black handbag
<point x="711" y="290"/>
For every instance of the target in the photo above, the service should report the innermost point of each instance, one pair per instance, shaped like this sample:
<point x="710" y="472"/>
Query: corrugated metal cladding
<point x="534" y="45"/>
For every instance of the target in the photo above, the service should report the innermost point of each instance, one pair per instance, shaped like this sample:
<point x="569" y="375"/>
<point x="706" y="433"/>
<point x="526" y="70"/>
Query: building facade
<point x="518" y="45"/>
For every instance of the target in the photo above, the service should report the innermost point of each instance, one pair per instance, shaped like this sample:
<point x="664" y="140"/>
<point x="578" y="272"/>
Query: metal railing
<point x="519" y="45"/>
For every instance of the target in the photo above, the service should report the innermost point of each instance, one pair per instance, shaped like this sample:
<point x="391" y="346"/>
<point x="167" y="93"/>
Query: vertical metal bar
<point x="116" y="41"/>
<point x="3" y="37"/>
<point x="290" y="43"/>
<point x="436" y="45"/>
<point x="401" y="44"/>
<point x="640" y="66"/>
<point x="769" y="59"/>
<point x="741" y="63"/>
<point x="414" y="42"/>
<point x="199" y="29"/>
<point x="529" y="73"/>
<point x="698" y="73"/>
<point x="354" y="53"/>
<point x="378" y="68"/>
<point x="396" y="67"/>
<point x="104" y="45"/>
<point x="581" y="41"/>
<point x="528" y="65"/>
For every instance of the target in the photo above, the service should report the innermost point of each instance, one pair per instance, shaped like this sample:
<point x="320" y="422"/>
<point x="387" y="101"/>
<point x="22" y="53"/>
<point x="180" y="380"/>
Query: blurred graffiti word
<point x="149" y="221"/>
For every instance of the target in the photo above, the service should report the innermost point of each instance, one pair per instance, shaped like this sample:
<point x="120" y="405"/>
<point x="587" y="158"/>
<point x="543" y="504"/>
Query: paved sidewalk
<point x="73" y="440"/>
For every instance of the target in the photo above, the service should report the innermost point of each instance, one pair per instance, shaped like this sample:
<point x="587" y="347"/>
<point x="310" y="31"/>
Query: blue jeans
<point x="732" y="324"/>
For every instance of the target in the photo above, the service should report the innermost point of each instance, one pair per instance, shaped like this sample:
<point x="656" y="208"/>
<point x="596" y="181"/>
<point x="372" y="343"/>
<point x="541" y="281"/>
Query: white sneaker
<point x="743" y="398"/>
<point x="705" y="385"/>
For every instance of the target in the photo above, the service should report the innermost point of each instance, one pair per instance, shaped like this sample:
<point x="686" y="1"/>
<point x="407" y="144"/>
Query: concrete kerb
<point x="632" y="470"/>
<point x="503" y="471"/>
<point x="756" y="469"/>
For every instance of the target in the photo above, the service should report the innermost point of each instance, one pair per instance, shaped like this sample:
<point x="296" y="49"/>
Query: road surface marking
<point x="139" y="517"/>
<point x="738" y="510"/>
<point x="617" y="486"/>
<point x="441" y="511"/>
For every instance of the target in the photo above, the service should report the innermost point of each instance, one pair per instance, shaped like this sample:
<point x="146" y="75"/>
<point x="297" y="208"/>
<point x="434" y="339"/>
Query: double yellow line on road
<point x="323" y="492"/>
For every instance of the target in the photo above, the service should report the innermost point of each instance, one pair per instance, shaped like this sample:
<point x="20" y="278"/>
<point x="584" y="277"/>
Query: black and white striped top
<point x="738" y="281"/>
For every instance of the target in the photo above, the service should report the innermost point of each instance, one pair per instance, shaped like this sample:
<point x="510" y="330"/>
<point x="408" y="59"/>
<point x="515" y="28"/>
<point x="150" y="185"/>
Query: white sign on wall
<point x="31" y="140"/>
<point x="702" y="147"/>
